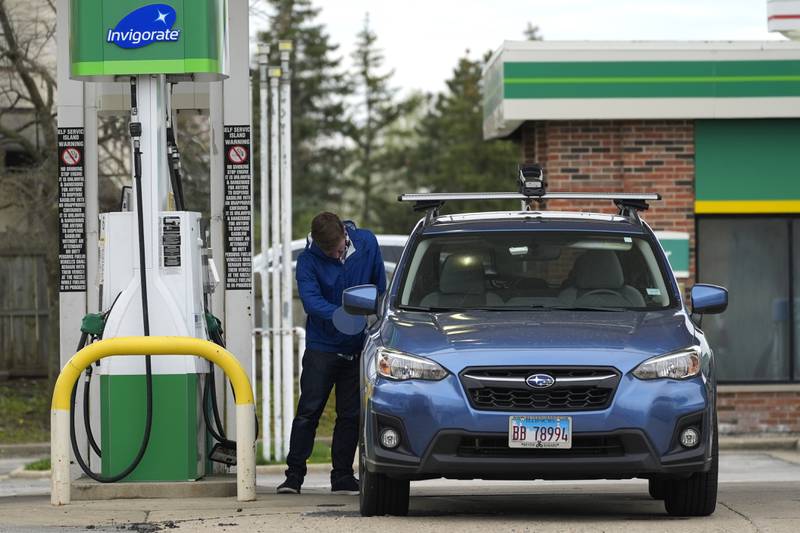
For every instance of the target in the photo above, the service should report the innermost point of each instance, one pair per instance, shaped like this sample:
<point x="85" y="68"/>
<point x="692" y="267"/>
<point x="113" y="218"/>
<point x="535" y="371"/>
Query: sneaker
<point x="345" y="485"/>
<point x="290" y="486"/>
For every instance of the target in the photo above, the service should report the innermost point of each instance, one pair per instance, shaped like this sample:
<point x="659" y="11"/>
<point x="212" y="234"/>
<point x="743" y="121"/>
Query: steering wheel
<point x="601" y="291"/>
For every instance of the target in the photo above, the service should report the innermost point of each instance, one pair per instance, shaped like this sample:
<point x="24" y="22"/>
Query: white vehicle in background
<point x="391" y="249"/>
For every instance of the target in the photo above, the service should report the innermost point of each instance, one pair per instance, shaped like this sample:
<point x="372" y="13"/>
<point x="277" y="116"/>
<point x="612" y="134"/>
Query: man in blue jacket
<point x="337" y="256"/>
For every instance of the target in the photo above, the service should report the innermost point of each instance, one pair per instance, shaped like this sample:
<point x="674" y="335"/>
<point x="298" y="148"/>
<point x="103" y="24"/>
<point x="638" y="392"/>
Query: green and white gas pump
<point x="152" y="267"/>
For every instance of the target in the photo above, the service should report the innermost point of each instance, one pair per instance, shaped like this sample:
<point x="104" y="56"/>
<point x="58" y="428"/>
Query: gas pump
<point x="158" y="417"/>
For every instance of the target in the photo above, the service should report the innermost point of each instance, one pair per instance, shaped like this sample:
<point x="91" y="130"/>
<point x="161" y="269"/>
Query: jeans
<point x="321" y="371"/>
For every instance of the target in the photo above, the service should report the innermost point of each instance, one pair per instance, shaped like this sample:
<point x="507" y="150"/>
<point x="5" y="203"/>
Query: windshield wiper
<point x="511" y="308"/>
<point x="588" y="308"/>
<point x="428" y="309"/>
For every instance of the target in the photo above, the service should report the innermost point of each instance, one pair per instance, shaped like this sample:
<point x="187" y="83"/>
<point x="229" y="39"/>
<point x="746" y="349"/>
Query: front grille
<point x="582" y="446"/>
<point x="505" y="388"/>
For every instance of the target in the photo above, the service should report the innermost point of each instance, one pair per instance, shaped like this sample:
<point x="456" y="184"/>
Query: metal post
<point x="72" y="305"/>
<point x="301" y="350"/>
<point x="287" y="324"/>
<point x="272" y="261"/>
<point x="90" y="158"/>
<point x="238" y="320"/>
<point x="266" y="378"/>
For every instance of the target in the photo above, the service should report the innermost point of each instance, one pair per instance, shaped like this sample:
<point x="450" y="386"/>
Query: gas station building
<point x="714" y="127"/>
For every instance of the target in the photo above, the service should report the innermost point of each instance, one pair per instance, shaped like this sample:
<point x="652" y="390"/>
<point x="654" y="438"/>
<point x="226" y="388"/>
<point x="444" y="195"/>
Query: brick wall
<point x="761" y="411"/>
<point x="620" y="156"/>
<point x="648" y="156"/>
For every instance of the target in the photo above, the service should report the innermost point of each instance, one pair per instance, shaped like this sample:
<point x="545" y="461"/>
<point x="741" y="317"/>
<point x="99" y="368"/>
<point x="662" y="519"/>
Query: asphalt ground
<point x="759" y="491"/>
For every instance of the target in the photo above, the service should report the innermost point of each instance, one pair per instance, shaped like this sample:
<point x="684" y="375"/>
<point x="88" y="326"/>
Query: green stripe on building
<point x="664" y="79"/>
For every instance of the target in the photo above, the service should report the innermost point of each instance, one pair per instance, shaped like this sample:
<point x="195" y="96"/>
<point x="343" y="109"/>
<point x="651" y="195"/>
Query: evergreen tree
<point x="319" y="89"/>
<point x="452" y="155"/>
<point x="532" y="33"/>
<point x="372" y="126"/>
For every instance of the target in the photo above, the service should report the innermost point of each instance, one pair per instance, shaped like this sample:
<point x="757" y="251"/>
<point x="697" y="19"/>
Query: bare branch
<point x="16" y="55"/>
<point x="15" y="136"/>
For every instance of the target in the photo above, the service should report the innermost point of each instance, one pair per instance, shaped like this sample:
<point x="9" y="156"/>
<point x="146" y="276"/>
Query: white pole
<point x="245" y="452"/>
<point x="272" y="263"/>
<point x="301" y="350"/>
<point x="60" y="454"/>
<point x="287" y="323"/>
<point x="266" y="378"/>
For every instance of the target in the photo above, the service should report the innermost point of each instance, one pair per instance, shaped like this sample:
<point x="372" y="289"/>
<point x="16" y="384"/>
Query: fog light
<point x="389" y="438"/>
<point x="690" y="438"/>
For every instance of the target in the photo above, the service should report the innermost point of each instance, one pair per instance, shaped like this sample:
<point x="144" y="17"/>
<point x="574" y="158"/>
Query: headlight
<point x="397" y="365"/>
<point x="677" y="365"/>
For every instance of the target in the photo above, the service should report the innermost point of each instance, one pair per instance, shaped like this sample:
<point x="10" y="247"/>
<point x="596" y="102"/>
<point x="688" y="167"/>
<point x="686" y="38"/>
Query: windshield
<point x="541" y="270"/>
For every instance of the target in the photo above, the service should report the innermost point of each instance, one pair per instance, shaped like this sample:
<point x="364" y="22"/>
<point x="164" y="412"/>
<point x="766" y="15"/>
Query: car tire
<point x="381" y="495"/>
<point x="655" y="486"/>
<point x="697" y="494"/>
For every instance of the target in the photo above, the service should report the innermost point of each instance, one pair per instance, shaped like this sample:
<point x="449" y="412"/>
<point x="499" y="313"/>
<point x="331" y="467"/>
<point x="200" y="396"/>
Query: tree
<point x="371" y="122"/>
<point x="452" y="155"/>
<point x="29" y="181"/>
<point x="319" y="90"/>
<point x="28" y="187"/>
<point x="532" y="33"/>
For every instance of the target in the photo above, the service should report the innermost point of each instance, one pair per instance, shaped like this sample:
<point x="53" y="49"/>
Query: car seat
<point x="599" y="281"/>
<point x="462" y="283"/>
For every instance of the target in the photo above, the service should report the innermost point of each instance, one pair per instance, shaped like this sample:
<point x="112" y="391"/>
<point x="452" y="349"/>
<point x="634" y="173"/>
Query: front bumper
<point x="448" y="457"/>
<point x="443" y="436"/>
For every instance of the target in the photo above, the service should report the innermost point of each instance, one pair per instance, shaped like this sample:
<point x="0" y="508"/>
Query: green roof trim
<point x="652" y="79"/>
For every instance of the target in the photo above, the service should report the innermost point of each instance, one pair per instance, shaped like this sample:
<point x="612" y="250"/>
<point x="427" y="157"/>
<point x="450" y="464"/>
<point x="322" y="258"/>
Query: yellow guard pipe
<point x="138" y="346"/>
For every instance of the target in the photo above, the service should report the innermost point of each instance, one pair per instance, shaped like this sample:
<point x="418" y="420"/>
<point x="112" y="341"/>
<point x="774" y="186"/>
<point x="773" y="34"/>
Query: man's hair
<point x="327" y="230"/>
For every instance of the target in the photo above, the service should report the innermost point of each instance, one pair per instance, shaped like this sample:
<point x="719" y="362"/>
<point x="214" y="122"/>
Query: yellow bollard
<point x="138" y="346"/>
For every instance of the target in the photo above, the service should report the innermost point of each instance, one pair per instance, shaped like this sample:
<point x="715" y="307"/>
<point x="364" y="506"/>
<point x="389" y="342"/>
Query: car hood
<point x="547" y="337"/>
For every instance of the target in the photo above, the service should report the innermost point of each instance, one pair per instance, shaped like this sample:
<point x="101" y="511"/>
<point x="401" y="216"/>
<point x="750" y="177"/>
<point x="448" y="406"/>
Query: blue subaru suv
<point x="537" y="345"/>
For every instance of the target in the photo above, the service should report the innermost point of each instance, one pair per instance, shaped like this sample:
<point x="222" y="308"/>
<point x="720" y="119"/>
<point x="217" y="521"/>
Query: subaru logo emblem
<point x="540" y="381"/>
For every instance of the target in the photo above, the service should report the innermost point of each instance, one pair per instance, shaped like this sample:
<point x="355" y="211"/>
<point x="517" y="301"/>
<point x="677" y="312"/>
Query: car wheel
<point x="656" y="488"/>
<point x="381" y="495"/>
<point x="697" y="494"/>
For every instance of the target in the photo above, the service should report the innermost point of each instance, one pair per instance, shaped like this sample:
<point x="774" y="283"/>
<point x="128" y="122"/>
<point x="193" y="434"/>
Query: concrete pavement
<point x="759" y="491"/>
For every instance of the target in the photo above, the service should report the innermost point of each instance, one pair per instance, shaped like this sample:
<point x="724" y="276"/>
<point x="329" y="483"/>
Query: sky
<point x="423" y="39"/>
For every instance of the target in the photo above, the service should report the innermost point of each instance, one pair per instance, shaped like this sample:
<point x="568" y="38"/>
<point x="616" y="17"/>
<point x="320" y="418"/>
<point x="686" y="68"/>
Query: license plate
<point x="540" y="432"/>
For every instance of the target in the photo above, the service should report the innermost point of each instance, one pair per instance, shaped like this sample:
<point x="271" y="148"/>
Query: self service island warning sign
<point x="238" y="200"/>
<point x="71" y="210"/>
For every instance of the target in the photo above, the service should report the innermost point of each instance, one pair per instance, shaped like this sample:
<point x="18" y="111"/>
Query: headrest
<point x="598" y="269"/>
<point x="462" y="274"/>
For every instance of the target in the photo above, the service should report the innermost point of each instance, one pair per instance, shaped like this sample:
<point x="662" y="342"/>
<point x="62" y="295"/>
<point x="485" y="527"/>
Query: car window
<point x="518" y="270"/>
<point x="391" y="253"/>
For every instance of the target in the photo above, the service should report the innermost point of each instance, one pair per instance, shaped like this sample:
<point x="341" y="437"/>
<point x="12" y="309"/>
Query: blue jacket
<point x="321" y="281"/>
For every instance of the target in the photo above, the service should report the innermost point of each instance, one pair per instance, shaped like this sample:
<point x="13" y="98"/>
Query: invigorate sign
<point x="111" y="38"/>
<point x="143" y="26"/>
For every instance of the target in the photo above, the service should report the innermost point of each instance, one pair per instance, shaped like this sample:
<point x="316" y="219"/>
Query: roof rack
<point x="532" y="188"/>
<point x="629" y="204"/>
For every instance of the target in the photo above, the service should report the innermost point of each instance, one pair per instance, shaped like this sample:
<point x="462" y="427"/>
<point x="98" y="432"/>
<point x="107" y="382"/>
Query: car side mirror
<point x="709" y="299"/>
<point x="361" y="300"/>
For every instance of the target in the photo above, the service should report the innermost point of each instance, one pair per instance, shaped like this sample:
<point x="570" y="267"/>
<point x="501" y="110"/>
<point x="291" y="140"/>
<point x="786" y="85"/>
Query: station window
<point x="757" y="339"/>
